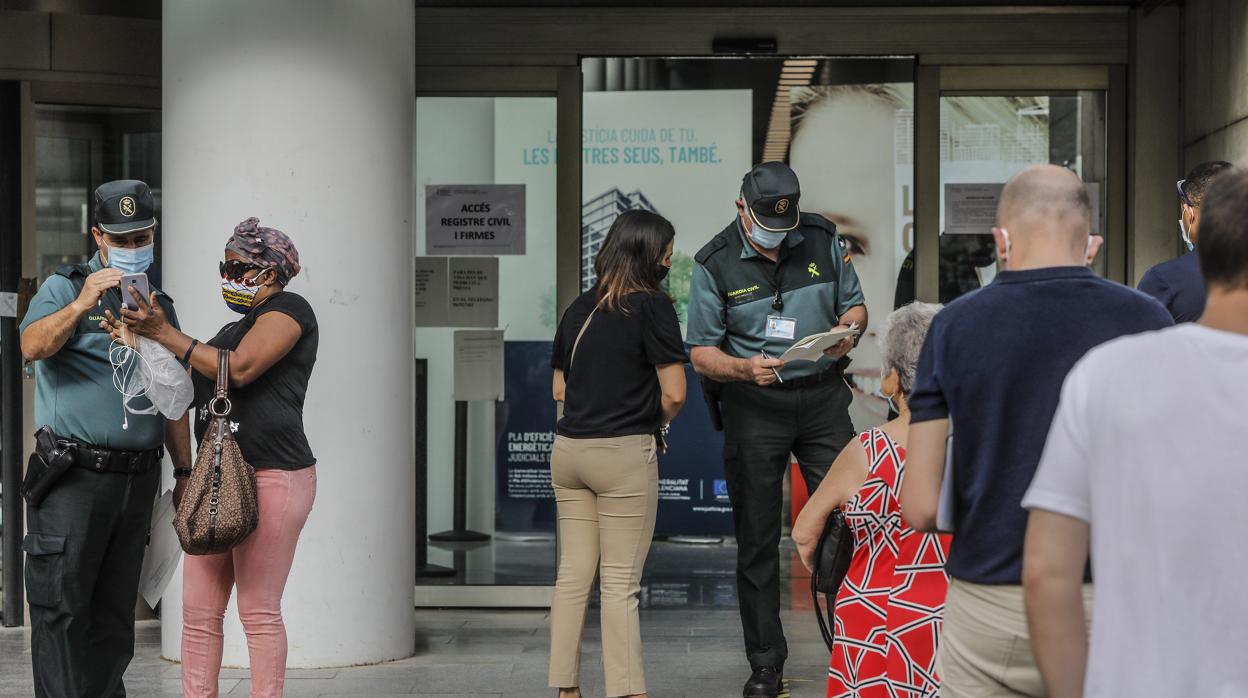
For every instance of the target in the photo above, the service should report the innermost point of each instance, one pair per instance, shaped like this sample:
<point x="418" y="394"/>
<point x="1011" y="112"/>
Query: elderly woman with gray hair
<point x="888" y="610"/>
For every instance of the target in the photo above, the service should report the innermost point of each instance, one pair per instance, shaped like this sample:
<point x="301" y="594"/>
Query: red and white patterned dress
<point x="889" y="609"/>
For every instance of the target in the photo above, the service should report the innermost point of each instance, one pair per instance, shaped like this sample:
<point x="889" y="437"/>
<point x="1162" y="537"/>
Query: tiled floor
<point x="690" y="653"/>
<point x="691" y="637"/>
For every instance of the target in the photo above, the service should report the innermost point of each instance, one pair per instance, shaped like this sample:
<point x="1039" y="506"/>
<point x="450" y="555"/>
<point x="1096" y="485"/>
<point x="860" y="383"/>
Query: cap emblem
<point x="781" y="206"/>
<point x="127" y="206"/>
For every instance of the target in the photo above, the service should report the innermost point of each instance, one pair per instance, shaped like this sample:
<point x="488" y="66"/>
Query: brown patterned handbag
<point x="219" y="508"/>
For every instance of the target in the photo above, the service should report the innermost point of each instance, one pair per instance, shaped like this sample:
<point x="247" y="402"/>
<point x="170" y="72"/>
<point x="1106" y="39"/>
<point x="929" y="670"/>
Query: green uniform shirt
<point x="731" y="293"/>
<point x="74" y="393"/>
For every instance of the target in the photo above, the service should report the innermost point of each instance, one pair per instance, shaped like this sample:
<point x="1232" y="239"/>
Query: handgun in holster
<point x="712" y="393"/>
<point x="52" y="457"/>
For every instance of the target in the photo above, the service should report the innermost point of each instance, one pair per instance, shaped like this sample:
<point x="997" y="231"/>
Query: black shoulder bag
<point x="832" y="558"/>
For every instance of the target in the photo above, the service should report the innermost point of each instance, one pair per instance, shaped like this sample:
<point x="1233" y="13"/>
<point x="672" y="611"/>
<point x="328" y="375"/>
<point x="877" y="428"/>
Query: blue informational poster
<point x="525" y="433"/>
<point x="693" y="496"/>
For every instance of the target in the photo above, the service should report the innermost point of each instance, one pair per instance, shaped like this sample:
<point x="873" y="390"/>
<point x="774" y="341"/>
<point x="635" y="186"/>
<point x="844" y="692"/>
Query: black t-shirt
<point x="268" y="413"/>
<point x="612" y="388"/>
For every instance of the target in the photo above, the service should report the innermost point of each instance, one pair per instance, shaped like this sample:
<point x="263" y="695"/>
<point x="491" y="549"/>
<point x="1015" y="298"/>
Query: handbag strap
<point x="219" y="406"/>
<point x="827" y="628"/>
<point x="223" y="373"/>
<point x="580" y="334"/>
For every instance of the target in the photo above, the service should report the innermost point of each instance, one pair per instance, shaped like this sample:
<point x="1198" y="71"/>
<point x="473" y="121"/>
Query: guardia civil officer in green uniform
<point x="86" y="538"/>
<point x="772" y="276"/>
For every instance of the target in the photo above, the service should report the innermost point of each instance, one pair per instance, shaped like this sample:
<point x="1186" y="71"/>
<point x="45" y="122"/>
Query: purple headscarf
<point x="266" y="247"/>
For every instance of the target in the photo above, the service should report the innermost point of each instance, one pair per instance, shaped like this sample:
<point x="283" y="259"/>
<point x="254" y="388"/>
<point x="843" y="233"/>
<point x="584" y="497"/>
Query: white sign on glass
<point x="455" y="291"/>
<point x="473" y="292"/>
<point x="432" y="301"/>
<point x="478" y="365"/>
<point x="476" y="219"/>
<point x="971" y="209"/>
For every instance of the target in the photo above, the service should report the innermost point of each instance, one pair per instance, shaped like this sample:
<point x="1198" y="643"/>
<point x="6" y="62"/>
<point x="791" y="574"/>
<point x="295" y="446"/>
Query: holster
<point x="52" y="457"/>
<point x="712" y="393"/>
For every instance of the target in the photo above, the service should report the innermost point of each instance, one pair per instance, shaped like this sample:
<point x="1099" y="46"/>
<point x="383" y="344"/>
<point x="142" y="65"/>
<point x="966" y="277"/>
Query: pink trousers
<point x="259" y="566"/>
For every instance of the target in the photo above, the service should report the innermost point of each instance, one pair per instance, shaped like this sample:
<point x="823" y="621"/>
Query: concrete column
<point x="1154" y="155"/>
<point x="301" y="113"/>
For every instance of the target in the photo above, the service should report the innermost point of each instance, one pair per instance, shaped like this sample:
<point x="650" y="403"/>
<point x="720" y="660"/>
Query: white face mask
<point x="1187" y="238"/>
<point x="892" y="407"/>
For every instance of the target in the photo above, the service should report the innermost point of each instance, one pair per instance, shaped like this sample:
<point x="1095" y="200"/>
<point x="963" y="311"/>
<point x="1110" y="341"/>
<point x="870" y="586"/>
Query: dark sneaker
<point x="765" y="682"/>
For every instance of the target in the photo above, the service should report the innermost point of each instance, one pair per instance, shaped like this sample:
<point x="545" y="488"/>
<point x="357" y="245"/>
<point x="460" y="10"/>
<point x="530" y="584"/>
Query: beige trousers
<point x="607" y="492"/>
<point x="985" y="647"/>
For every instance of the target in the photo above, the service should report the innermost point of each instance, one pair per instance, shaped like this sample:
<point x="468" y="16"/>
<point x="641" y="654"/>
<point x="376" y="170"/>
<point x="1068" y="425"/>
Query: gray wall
<point x="1215" y="81"/>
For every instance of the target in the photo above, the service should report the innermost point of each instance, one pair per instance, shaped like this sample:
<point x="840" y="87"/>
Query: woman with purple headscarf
<point x="272" y="352"/>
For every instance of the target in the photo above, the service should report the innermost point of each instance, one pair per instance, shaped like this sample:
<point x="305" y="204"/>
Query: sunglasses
<point x="235" y="269"/>
<point x="1182" y="194"/>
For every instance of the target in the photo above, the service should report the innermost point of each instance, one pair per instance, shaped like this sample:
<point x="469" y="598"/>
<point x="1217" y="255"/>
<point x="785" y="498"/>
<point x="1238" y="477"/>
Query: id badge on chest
<point x="779" y="327"/>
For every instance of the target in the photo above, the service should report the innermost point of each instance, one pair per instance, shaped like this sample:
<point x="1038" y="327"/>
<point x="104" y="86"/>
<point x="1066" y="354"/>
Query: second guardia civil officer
<point x="85" y="539"/>
<point x="773" y="276"/>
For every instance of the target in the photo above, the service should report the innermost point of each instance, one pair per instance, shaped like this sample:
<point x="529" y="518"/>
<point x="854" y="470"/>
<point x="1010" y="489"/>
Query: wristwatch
<point x="663" y="430"/>
<point x="181" y="472"/>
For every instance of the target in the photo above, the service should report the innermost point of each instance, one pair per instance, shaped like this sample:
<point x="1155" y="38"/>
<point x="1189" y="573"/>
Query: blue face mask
<point x="766" y="238"/>
<point x="131" y="260"/>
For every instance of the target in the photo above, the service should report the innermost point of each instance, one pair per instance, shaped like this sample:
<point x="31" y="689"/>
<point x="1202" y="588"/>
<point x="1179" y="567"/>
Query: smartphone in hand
<point x="137" y="282"/>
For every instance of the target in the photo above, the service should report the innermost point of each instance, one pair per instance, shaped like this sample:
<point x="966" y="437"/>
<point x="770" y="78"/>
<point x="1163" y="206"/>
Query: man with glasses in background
<point x="771" y="277"/>
<point x="1178" y="283"/>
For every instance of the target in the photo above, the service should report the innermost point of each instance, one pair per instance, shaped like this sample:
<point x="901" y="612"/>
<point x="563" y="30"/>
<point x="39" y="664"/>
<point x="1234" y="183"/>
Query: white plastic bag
<point x="157" y="374"/>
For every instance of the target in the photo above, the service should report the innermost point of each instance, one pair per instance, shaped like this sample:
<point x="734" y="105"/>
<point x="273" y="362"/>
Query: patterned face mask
<point x="239" y="294"/>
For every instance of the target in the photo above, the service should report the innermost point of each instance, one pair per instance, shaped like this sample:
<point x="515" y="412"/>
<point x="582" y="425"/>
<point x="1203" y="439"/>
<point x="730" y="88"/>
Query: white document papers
<point x="163" y="552"/>
<point x="811" y="348"/>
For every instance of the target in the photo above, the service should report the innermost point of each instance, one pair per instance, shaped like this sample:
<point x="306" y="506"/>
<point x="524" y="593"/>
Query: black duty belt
<point x="105" y="460"/>
<point x="823" y="376"/>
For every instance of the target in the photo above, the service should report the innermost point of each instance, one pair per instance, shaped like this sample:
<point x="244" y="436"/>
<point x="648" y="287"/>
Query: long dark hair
<point x="631" y="255"/>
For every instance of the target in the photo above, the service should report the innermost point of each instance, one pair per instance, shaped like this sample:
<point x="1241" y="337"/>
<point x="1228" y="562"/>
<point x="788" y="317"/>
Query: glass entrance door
<point x="985" y="140"/>
<point x="76" y="150"/>
<point x="485" y="172"/>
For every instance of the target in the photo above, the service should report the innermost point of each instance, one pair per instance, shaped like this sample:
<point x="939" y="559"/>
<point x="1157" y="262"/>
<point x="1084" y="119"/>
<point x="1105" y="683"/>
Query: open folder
<point x="811" y="348"/>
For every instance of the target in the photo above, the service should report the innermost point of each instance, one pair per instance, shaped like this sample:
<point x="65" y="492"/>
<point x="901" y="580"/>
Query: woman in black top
<point x="619" y="370"/>
<point x="272" y="352"/>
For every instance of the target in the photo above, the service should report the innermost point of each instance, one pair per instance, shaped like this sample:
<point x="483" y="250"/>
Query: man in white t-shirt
<point x="1145" y="460"/>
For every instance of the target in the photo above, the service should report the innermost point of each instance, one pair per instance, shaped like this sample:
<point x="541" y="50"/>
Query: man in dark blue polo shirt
<point x="1178" y="283"/>
<point x="993" y="363"/>
<point x="772" y="276"/>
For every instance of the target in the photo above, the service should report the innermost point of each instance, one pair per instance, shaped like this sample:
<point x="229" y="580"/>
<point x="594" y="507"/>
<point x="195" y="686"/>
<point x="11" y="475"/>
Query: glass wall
<point x="676" y="136"/>
<point x="497" y="147"/>
<point x="76" y="150"/>
<point x="985" y="140"/>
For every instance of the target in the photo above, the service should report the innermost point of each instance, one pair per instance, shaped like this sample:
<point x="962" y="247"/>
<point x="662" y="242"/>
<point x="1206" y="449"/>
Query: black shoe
<point x="765" y="682"/>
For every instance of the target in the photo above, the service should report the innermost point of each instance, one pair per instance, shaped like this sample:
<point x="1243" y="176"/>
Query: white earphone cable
<point x="125" y="360"/>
